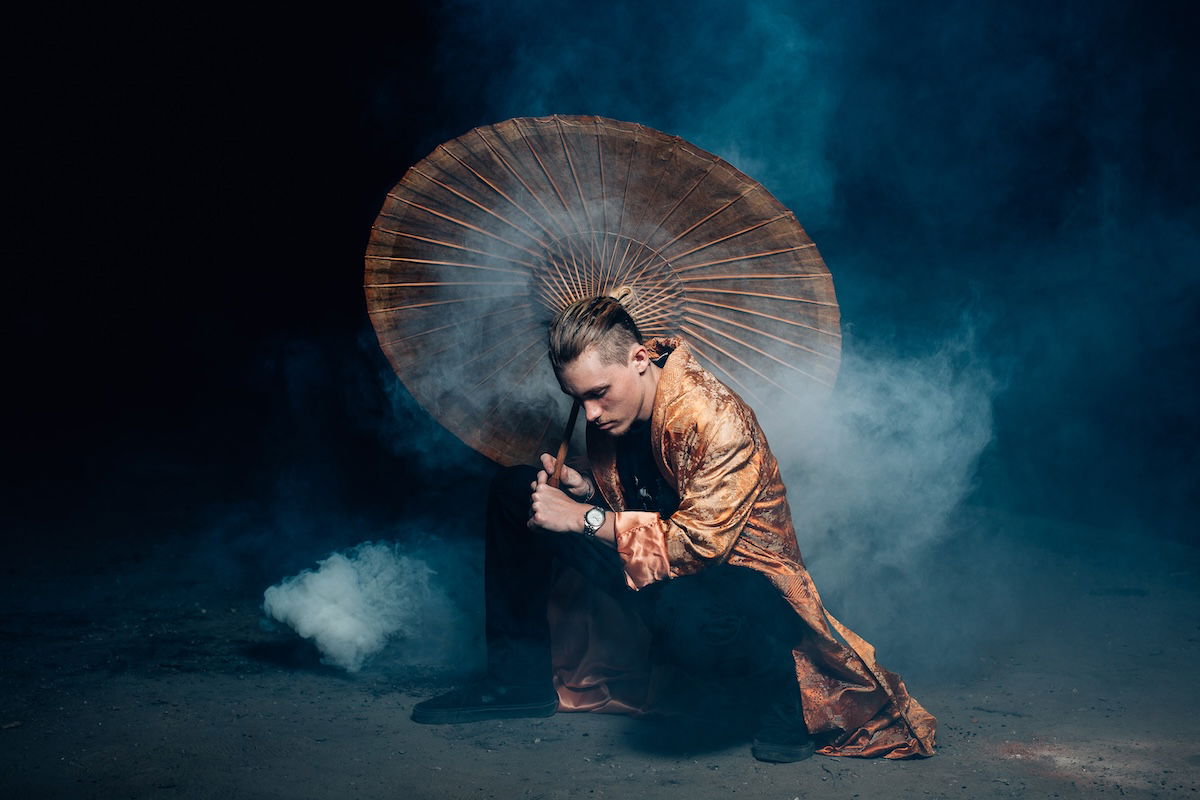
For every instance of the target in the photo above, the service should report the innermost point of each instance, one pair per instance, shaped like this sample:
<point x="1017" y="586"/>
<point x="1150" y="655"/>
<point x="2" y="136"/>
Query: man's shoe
<point x="487" y="700"/>
<point x="783" y="737"/>
<point x="783" y="752"/>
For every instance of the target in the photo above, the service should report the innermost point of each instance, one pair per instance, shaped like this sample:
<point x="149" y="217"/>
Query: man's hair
<point x="599" y="322"/>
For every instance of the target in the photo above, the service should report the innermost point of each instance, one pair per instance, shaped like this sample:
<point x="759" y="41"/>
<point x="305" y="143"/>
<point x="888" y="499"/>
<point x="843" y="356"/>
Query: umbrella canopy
<point x="482" y="242"/>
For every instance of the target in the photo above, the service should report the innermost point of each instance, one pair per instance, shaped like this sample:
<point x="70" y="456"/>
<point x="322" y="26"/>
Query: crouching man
<point x="683" y="562"/>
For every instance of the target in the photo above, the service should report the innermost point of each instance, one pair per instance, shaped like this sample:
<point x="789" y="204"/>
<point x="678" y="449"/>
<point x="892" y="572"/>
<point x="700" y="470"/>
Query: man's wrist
<point x="593" y="520"/>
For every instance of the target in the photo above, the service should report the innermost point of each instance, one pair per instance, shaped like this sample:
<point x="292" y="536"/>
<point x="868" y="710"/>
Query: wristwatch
<point x="593" y="518"/>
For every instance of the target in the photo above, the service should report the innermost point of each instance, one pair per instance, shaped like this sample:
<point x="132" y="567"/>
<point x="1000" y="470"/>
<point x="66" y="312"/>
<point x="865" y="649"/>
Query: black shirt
<point x="643" y="485"/>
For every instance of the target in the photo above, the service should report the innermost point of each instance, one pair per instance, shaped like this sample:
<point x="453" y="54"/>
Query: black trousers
<point x="724" y="622"/>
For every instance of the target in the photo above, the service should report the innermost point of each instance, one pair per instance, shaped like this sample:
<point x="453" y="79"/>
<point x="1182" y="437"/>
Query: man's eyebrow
<point x="595" y="390"/>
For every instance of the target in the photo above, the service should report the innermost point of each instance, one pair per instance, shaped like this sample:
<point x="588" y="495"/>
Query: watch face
<point x="594" y="517"/>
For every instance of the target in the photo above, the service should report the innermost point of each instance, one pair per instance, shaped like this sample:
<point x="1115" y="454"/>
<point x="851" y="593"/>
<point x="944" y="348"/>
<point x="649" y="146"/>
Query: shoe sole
<point x="782" y="753"/>
<point x="448" y="716"/>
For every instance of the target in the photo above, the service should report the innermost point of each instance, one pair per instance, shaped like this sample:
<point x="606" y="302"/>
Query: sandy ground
<point x="142" y="679"/>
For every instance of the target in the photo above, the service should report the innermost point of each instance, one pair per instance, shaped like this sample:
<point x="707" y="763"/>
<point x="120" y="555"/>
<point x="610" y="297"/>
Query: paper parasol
<point x="481" y="243"/>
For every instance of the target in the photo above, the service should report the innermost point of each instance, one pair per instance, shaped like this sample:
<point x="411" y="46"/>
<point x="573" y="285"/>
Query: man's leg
<point x="731" y="626"/>
<point x="517" y="573"/>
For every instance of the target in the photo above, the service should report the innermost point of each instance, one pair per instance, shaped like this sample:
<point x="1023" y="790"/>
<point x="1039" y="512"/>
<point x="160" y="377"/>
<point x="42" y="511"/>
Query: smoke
<point x="877" y="474"/>
<point x="355" y="602"/>
<point x="998" y="162"/>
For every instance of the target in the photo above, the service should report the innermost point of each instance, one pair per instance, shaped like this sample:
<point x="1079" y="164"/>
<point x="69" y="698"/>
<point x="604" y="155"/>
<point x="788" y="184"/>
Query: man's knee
<point x="724" y="620"/>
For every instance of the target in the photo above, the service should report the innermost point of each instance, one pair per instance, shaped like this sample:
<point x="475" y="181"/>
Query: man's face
<point x="614" y="396"/>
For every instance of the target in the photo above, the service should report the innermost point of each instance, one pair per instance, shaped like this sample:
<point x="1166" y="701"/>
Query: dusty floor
<point x="142" y="679"/>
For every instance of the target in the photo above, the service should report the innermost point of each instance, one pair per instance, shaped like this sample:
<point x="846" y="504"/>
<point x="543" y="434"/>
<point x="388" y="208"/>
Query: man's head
<point x="600" y="359"/>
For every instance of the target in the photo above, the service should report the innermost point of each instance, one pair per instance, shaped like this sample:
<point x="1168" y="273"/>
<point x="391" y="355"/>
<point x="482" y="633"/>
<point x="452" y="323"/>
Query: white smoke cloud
<point x="877" y="472"/>
<point x="358" y="600"/>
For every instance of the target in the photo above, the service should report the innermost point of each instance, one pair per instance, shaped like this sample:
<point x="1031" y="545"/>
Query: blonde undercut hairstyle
<point x="599" y="322"/>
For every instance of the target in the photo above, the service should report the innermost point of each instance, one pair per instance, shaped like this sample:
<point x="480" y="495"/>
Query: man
<point x="684" y="511"/>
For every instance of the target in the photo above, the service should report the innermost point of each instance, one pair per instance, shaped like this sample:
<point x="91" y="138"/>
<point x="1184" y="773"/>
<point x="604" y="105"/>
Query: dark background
<point x="193" y="190"/>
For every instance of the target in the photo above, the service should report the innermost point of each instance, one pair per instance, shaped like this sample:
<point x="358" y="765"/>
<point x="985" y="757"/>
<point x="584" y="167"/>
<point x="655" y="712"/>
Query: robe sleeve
<point x="718" y="477"/>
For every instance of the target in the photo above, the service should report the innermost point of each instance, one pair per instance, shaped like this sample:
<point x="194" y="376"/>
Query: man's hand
<point x="570" y="481"/>
<point x="552" y="510"/>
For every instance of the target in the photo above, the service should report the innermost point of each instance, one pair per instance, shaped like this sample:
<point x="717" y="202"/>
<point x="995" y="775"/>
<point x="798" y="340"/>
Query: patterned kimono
<point x="708" y="445"/>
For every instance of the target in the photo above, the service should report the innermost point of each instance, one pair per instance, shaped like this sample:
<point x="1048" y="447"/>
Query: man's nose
<point x="591" y="410"/>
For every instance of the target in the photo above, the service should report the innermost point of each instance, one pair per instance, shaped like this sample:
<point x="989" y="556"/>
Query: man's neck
<point x="652" y="376"/>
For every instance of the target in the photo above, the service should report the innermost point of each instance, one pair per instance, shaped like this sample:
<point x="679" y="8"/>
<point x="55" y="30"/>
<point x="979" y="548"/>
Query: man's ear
<point x="640" y="357"/>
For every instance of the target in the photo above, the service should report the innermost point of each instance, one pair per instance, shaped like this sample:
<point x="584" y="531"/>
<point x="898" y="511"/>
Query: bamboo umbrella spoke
<point x="749" y="346"/>
<point x="490" y="212"/>
<point x="496" y="188"/>
<point x="754" y="312"/>
<point x="374" y="257"/>
<point x="514" y="173"/>
<point x="761" y="332"/>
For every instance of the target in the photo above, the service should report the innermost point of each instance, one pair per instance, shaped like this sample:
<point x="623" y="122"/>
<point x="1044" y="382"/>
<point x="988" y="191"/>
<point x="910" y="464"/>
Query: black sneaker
<point x="487" y="700"/>
<point x="783" y="737"/>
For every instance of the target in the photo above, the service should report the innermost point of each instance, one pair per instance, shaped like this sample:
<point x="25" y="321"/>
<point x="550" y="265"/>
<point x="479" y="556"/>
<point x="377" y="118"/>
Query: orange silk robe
<point x="708" y="444"/>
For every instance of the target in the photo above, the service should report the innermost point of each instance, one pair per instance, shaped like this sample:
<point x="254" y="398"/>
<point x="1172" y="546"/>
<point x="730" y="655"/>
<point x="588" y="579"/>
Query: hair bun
<point x="622" y="293"/>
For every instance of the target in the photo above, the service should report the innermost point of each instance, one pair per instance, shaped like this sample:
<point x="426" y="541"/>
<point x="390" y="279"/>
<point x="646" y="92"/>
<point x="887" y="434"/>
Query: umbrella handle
<point x="562" y="448"/>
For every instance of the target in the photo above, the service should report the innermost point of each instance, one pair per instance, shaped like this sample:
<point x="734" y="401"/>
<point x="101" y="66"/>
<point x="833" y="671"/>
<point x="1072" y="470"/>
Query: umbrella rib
<point x="551" y="300"/>
<point x="555" y="285"/>
<point x="727" y="237"/>
<point x="662" y="174"/>
<point x="568" y="270"/>
<point x="717" y="366"/>
<point x="411" y="284"/>
<point x="558" y="192"/>
<point x="692" y="300"/>
<point x="562" y="138"/>
<point x="735" y="234"/>
<point x="745" y="257"/>
<point x="752" y="329"/>
<point x="438" y="303"/>
<point x="497" y="190"/>
<point x="445" y="263"/>
<point x="755" y="349"/>
<point x="726" y="353"/>
<point x="523" y="332"/>
<point x="617" y="266"/>
<point x="537" y="199"/>
<point x="554" y="269"/>
<point x="525" y="313"/>
<point x="446" y="244"/>
<point x="453" y="345"/>
<point x="605" y="255"/>
<point x="479" y="205"/>
<point x="743" y="293"/>
<point x="582" y="271"/>
<point x="624" y="200"/>
<point x="658" y="300"/>
<point x="750" y="277"/>
<point x="582" y="265"/>
<point x="532" y="366"/>
<point x="467" y="225"/>
<point x="706" y="218"/>
<point x="571" y="269"/>
<point x="603" y="205"/>
<point x="685" y="196"/>
<point x="511" y="359"/>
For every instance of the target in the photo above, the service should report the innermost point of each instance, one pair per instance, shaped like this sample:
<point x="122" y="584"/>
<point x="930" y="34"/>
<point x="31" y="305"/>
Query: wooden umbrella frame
<point x="483" y="241"/>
